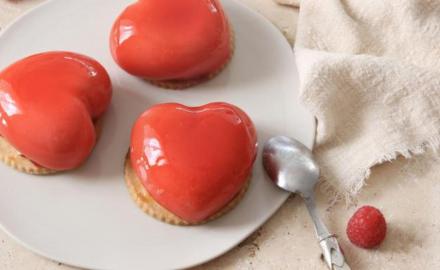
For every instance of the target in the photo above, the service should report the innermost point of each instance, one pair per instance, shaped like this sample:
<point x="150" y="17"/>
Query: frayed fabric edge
<point x="348" y="196"/>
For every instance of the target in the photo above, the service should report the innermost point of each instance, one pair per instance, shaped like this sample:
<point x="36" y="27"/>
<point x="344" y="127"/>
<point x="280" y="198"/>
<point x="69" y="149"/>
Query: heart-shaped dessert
<point x="49" y="105"/>
<point x="188" y="165"/>
<point x="174" y="44"/>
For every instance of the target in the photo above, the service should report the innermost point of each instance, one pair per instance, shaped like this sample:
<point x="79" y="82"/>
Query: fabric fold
<point x="370" y="73"/>
<point x="292" y="3"/>
<point x="369" y="110"/>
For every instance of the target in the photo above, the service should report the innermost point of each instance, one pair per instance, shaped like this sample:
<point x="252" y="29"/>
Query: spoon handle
<point x="332" y="253"/>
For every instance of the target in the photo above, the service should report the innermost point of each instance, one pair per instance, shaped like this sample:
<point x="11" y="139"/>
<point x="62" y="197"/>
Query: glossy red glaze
<point x="193" y="160"/>
<point x="171" y="39"/>
<point x="48" y="103"/>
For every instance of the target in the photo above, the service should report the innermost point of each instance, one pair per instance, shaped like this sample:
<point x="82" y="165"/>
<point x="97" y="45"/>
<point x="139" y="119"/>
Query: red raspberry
<point x="367" y="227"/>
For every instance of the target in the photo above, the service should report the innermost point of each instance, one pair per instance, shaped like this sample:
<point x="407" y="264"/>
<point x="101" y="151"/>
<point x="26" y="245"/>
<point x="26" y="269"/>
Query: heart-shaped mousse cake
<point x="188" y="165"/>
<point x="49" y="105"/>
<point x="174" y="44"/>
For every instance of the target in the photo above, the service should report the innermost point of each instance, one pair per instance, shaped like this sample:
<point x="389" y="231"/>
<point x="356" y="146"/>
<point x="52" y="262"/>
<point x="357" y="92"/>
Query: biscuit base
<point x="10" y="156"/>
<point x="144" y="200"/>
<point x="186" y="83"/>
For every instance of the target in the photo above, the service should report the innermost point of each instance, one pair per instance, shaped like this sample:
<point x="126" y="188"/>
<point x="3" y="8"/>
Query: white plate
<point x="86" y="217"/>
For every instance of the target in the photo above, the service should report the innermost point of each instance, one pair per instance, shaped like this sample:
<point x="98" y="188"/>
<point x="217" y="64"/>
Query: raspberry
<point x="367" y="227"/>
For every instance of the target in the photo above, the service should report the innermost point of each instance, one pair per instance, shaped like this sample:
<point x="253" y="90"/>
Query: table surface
<point x="407" y="191"/>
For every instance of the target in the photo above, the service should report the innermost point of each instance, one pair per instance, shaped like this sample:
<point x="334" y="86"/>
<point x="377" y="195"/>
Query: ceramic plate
<point x="86" y="217"/>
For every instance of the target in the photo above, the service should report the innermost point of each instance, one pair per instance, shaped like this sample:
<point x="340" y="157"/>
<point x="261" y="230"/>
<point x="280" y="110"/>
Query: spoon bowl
<point x="290" y="165"/>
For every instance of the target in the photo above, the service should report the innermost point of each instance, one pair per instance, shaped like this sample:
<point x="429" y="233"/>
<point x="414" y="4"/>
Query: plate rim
<point x="310" y="144"/>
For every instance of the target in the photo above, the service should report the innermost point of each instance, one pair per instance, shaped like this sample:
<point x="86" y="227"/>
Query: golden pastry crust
<point x="144" y="200"/>
<point x="183" y="84"/>
<point x="13" y="158"/>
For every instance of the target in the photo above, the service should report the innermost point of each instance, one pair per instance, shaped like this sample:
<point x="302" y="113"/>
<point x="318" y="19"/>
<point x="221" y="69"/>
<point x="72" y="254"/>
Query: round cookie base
<point x="144" y="200"/>
<point x="10" y="156"/>
<point x="186" y="83"/>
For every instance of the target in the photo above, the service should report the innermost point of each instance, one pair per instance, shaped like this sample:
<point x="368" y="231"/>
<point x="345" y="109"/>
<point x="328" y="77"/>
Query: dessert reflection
<point x="153" y="152"/>
<point x="126" y="30"/>
<point x="7" y="104"/>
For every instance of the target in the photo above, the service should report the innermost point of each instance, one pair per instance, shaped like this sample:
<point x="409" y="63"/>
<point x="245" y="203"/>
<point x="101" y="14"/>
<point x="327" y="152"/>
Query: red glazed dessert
<point x="49" y="105"/>
<point x="172" y="43"/>
<point x="188" y="165"/>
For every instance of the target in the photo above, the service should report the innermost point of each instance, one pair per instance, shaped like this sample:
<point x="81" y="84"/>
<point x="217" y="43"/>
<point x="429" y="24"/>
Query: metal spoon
<point x="291" y="167"/>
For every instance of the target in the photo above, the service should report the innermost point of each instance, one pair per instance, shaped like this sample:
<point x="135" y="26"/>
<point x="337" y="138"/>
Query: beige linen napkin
<point x="370" y="73"/>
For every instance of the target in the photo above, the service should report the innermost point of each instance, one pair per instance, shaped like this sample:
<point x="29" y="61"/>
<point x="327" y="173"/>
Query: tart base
<point x="144" y="200"/>
<point x="186" y="83"/>
<point x="13" y="158"/>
